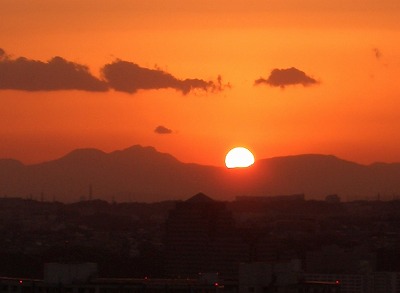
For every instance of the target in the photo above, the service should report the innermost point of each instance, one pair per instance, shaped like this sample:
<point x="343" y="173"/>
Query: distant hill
<point x="144" y="174"/>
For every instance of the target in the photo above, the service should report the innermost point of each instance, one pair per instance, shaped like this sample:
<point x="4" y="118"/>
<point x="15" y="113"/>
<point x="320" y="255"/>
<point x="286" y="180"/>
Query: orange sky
<point x="351" y="50"/>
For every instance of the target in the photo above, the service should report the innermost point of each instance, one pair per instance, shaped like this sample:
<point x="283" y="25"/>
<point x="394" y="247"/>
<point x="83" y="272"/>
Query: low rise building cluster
<point x="250" y="245"/>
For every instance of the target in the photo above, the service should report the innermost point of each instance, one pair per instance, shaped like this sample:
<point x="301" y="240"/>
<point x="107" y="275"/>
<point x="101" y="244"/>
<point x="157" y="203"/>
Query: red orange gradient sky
<point x="196" y="78"/>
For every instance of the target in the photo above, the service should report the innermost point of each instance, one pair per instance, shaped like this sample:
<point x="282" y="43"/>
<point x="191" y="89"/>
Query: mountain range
<point x="143" y="174"/>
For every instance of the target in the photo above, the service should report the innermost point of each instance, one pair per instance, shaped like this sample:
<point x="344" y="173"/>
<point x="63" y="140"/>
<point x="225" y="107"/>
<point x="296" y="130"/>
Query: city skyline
<point x="196" y="79"/>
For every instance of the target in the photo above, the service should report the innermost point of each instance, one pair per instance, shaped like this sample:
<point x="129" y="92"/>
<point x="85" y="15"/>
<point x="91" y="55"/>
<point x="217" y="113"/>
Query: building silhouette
<point x="201" y="238"/>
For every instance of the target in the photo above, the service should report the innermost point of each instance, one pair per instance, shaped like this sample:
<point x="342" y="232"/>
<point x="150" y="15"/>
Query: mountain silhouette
<point x="143" y="174"/>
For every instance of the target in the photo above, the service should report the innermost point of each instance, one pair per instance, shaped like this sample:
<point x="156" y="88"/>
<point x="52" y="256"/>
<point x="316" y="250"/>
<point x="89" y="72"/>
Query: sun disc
<point x="239" y="157"/>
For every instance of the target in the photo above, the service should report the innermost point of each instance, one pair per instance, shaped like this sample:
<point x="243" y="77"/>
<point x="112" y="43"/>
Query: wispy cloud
<point x="377" y="53"/>
<point x="286" y="77"/>
<point x="56" y="74"/>
<point x="129" y="77"/>
<point x="162" y="130"/>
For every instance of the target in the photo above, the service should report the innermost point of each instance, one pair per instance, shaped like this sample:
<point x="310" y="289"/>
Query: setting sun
<point x="239" y="157"/>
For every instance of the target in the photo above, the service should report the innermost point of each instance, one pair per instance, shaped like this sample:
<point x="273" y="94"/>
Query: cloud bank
<point x="123" y="76"/>
<point x="129" y="77"/>
<point x="56" y="74"/>
<point x="162" y="130"/>
<point x="286" y="77"/>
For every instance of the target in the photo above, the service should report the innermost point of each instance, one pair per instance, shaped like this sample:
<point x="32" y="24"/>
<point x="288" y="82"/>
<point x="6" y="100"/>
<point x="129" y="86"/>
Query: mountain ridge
<point x="138" y="146"/>
<point x="139" y="173"/>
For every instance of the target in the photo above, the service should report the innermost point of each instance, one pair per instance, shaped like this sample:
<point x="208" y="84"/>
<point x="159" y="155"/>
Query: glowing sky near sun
<point x="196" y="78"/>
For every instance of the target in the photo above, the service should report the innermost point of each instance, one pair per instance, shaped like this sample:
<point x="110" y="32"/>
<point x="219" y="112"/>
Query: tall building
<point x="201" y="238"/>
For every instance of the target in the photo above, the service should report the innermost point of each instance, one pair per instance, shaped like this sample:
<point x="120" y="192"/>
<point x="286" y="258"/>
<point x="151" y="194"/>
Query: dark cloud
<point x="286" y="77"/>
<point x="60" y="74"/>
<point x="162" y="130"/>
<point x="129" y="77"/>
<point x="56" y="74"/>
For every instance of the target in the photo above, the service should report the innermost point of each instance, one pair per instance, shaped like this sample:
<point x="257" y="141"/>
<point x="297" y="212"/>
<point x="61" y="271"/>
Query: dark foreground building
<point x="201" y="238"/>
